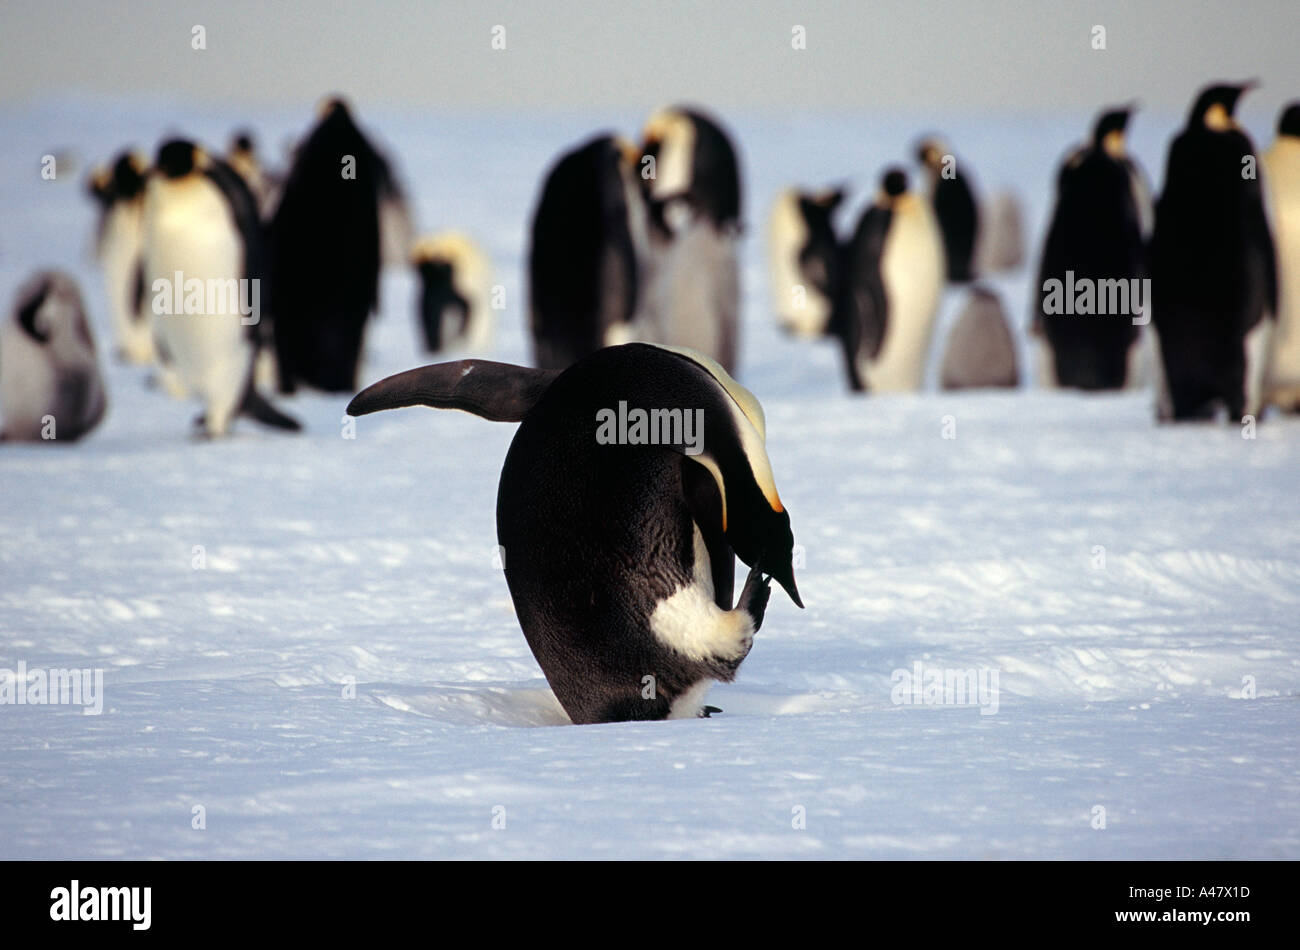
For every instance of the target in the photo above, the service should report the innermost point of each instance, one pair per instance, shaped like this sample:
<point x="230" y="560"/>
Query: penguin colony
<point x="620" y="556"/>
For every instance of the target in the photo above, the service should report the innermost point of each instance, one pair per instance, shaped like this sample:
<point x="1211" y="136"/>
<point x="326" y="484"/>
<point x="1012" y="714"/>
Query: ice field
<point x="342" y="676"/>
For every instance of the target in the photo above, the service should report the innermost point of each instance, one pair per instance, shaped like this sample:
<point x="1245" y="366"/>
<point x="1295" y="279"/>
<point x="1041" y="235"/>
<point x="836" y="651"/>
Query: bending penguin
<point x="202" y="266"/>
<point x="1282" y="185"/>
<point x="120" y="193"/>
<point x="1098" y="236"/>
<point x="585" y="255"/>
<point x="804" y="260"/>
<point x="619" y="546"/>
<point x="455" y="292"/>
<point x="692" y="297"/>
<point x="893" y="276"/>
<point x="1213" y="274"/>
<point x="50" y="385"/>
<point x="325" y="241"/>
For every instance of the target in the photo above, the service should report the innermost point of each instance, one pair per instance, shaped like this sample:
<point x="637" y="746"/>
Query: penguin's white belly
<point x="120" y="257"/>
<point x="691" y="623"/>
<point x="210" y="351"/>
<point x="912" y="267"/>
<point x="800" y="309"/>
<point x="1282" y="177"/>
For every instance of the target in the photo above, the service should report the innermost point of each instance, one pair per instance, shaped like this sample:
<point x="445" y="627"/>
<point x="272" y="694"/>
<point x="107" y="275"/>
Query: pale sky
<point x="1009" y="55"/>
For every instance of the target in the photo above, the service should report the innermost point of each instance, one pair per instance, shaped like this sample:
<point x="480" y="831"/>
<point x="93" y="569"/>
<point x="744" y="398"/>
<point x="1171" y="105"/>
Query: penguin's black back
<point x="954" y="206"/>
<point x="582" y="263"/>
<point x="595" y="536"/>
<point x="819" y="257"/>
<point x="1212" y="269"/>
<point x="325" y="256"/>
<point x="860" y="315"/>
<point x="715" y="172"/>
<point x="438" y="300"/>
<point x="1096" y="233"/>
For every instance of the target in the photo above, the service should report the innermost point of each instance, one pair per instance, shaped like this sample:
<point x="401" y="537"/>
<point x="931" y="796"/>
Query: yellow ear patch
<point x="1217" y="118"/>
<point x="662" y="125"/>
<point x="450" y="246"/>
<point x="746" y="400"/>
<point x="751" y="425"/>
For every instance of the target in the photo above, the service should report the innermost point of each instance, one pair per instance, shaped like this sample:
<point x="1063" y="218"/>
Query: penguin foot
<point x="754" y="596"/>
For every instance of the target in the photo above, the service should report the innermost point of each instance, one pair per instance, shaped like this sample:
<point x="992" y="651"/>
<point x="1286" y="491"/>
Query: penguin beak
<point x="783" y="574"/>
<point x="1242" y="89"/>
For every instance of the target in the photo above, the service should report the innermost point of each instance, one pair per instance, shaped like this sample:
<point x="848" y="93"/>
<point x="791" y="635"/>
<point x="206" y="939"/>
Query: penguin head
<point x="754" y="520"/>
<point x="893" y="186"/>
<point x="241" y="143"/>
<point x="762" y="538"/>
<point x="930" y="152"/>
<point x="451" y="248"/>
<point x="629" y="153"/>
<point x="818" y="208"/>
<point x="128" y="176"/>
<point x="434" y="259"/>
<point x="1289" y="123"/>
<point x="669" y="140"/>
<point x="100" y="185"/>
<point x="332" y="106"/>
<point x="1108" y="133"/>
<point x="1216" y="104"/>
<point x="50" y="311"/>
<point x="177" y="158"/>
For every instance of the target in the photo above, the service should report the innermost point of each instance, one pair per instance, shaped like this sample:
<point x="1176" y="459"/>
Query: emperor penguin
<point x="618" y="537"/>
<point x="981" y="352"/>
<point x="242" y="156"/>
<point x="804" y="263"/>
<point x="955" y="207"/>
<point x="893" y="276"/>
<point x="119" y="190"/>
<point x="586" y="250"/>
<point x="325" y="244"/>
<point x="1282" y="186"/>
<point x="202" y="265"/>
<point x="1213" y="274"/>
<point x="693" y="195"/>
<point x="455" y="292"/>
<point x="1097" y="238"/>
<point x="50" y="385"/>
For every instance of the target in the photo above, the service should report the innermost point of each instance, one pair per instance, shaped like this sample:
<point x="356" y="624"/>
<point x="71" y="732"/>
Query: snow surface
<point x="1124" y="683"/>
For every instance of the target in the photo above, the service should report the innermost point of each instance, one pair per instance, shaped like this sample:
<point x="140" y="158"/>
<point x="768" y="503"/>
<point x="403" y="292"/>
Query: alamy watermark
<point x="1087" y="297"/>
<point x="215" y="296"/>
<point x="130" y="904"/>
<point x="39" y="687"/>
<point x="940" y="686"/>
<point x="684" y="427"/>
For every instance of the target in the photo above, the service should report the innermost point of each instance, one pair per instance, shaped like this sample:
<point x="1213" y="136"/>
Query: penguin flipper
<point x="257" y="407"/>
<point x="500" y="392"/>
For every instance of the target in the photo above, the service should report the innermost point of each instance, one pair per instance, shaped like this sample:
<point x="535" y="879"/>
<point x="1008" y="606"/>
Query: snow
<point x="1136" y="588"/>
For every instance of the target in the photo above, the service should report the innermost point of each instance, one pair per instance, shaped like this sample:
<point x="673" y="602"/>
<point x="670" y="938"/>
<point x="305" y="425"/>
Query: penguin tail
<point x="259" y="409"/>
<point x="500" y="392"/>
